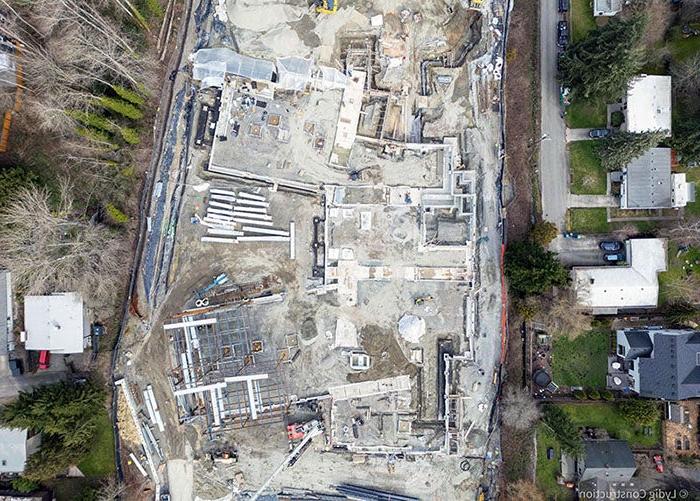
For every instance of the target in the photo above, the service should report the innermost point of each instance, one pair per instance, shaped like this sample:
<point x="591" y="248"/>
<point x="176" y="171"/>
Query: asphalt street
<point x="554" y="175"/>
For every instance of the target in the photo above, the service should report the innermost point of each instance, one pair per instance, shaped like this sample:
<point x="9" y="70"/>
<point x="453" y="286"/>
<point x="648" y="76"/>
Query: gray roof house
<point x="605" y="466"/>
<point x="648" y="183"/>
<point x="15" y="447"/>
<point x="661" y="363"/>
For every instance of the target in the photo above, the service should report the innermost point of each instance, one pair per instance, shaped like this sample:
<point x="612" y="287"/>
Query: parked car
<point x="614" y="257"/>
<point x="236" y="129"/>
<point x="659" y="462"/>
<point x="16" y="366"/>
<point x="44" y="360"/>
<point x="571" y="234"/>
<point x="562" y="34"/>
<point x="550" y="453"/>
<point x="598" y="133"/>
<point x="610" y="245"/>
<point x="563" y="5"/>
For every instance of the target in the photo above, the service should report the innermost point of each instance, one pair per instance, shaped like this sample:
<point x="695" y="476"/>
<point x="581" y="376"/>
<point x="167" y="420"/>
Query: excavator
<point x="326" y="6"/>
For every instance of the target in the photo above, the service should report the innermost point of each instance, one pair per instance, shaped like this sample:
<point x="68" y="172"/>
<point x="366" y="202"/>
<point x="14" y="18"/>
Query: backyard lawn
<point x="100" y="460"/>
<point x="582" y="20"/>
<point x="605" y="415"/>
<point x="586" y="114"/>
<point x="589" y="220"/>
<point x="683" y="48"/>
<point x="588" y="177"/>
<point x="676" y="273"/>
<point x="581" y="361"/>
<point x="548" y="469"/>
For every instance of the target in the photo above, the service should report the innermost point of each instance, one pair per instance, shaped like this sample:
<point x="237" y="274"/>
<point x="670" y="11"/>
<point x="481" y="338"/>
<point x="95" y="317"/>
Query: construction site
<point x="325" y="311"/>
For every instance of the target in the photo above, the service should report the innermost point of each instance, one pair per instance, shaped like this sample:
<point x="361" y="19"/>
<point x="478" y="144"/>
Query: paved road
<point x="554" y="175"/>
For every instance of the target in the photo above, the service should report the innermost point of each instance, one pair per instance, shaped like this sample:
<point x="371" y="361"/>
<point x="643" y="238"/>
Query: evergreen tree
<point x="564" y="429"/>
<point x="65" y="414"/>
<point x="639" y="411"/>
<point x="686" y="141"/>
<point x="621" y="148"/>
<point x="543" y="233"/>
<point x="531" y="270"/>
<point x="603" y="63"/>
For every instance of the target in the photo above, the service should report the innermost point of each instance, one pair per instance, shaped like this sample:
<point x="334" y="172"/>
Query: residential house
<point x="16" y="445"/>
<point x="56" y="323"/>
<point x="608" y="289"/>
<point x="659" y="363"/>
<point x="605" y="467"/>
<point x="647" y="105"/>
<point x="648" y="183"/>
<point x="606" y="7"/>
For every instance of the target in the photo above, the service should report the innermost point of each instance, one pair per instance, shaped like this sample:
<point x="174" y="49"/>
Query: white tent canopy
<point x="212" y="65"/>
<point x="294" y="72"/>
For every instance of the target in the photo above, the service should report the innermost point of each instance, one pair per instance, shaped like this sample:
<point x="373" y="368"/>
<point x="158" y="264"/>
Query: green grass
<point x="693" y="208"/>
<point x="589" y="220"/>
<point x="588" y="177"/>
<point x="549" y="469"/>
<point x="581" y="361"/>
<point x="99" y="461"/>
<point x="605" y="415"/>
<point x="683" y="48"/>
<point x="675" y="272"/>
<point x="586" y="114"/>
<point x="582" y="20"/>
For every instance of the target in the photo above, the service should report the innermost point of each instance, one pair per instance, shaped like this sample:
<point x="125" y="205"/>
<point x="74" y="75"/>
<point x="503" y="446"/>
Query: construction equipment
<point x="218" y="280"/>
<point x="310" y="430"/>
<point x="326" y="6"/>
<point x="422" y="299"/>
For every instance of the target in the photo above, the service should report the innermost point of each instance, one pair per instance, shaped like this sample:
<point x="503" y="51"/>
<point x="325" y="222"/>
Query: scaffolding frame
<point x="225" y="373"/>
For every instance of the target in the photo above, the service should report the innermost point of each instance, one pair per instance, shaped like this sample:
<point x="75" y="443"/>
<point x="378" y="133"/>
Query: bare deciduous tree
<point x="110" y="489"/>
<point x="519" y="410"/>
<point x="686" y="232"/>
<point x="52" y="247"/>
<point x="523" y="490"/>
<point x="563" y="317"/>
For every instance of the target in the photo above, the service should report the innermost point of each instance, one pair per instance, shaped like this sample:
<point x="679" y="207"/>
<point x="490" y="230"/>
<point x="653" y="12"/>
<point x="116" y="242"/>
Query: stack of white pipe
<point x="240" y="217"/>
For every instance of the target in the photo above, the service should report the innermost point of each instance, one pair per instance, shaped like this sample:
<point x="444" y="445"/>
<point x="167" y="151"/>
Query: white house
<point x="56" y="323"/>
<point x="15" y="447"/>
<point x="647" y="105"/>
<point x="606" y="289"/>
<point x="606" y="7"/>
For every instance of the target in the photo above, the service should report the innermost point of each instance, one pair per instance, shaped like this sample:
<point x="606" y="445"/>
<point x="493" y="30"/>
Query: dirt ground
<point x="522" y="124"/>
<point x="522" y="121"/>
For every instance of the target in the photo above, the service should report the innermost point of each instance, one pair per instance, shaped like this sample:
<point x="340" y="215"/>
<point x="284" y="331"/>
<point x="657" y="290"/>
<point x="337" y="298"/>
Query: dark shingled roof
<point x="672" y="372"/>
<point x="640" y="344"/>
<point x="608" y="454"/>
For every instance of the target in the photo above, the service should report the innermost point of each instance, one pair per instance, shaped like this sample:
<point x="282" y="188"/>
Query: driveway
<point x="554" y="171"/>
<point x="10" y="386"/>
<point x="577" y="135"/>
<point x="578" y="252"/>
